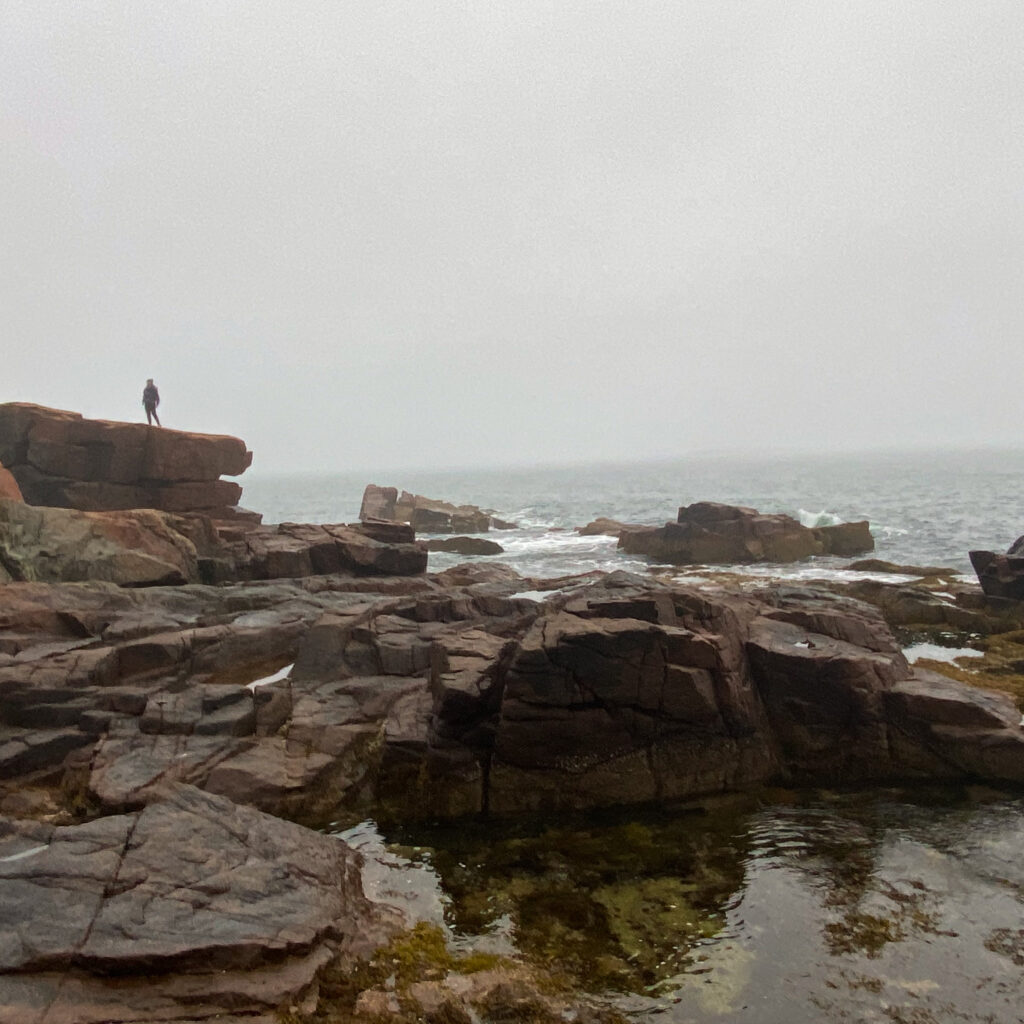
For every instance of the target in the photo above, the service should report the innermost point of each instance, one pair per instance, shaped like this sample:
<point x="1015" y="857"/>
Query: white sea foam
<point x="935" y="652"/>
<point x="822" y="518"/>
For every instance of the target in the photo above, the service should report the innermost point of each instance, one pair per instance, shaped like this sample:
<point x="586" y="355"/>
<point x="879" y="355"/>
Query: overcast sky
<point x="383" y="235"/>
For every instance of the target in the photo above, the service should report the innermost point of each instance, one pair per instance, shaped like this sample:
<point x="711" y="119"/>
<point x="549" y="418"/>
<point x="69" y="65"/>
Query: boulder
<point x="61" y="459"/>
<point x="465" y="546"/>
<point x="138" y="548"/>
<point x="845" y="539"/>
<point x="1001" y="575"/>
<point x="378" y="503"/>
<point x="710" y="533"/>
<point x="191" y="908"/>
<point x="604" y="527"/>
<point x="305" y="549"/>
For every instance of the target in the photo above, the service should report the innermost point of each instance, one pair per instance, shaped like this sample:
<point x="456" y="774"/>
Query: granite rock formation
<point x="605" y="527"/>
<point x="465" y="545"/>
<point x="709" y="533"/>
<point x="192" y="908"/>
<point x="9" y="488"/>
<point x="427" y="515"/>
<point x="1001" y="575"/>
<point x="448" y="698"/>
<point x="63" y="460"/>
<point x="149" y="548"/>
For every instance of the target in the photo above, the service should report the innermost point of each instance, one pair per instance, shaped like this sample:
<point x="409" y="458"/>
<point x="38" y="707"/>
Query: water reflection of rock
<point x="836" y="907"/>
<point x="617" y="905"/>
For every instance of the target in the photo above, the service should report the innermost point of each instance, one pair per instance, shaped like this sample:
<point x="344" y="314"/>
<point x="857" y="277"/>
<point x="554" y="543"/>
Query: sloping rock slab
<point x="942" y="728"/>
<point x="136" y="548"/>
<point x="190" y="909"/>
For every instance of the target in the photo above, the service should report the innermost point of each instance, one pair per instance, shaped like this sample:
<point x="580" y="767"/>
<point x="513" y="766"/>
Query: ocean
<point x="925" y="508"/>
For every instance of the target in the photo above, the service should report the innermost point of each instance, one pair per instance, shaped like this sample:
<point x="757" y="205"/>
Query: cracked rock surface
<point x="192" y="906"/>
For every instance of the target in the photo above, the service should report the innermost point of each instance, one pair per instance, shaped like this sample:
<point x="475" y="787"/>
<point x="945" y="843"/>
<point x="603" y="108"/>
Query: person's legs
<point x="149" y="415"/>
<point x="157" y="418"/>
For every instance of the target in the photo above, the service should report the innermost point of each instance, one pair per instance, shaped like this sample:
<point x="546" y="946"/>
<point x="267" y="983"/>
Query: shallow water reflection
<point x="887" y="906"/>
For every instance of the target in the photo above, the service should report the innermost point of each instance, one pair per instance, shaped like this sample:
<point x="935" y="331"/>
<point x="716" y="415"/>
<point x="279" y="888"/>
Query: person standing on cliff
<point x="150" y="400"/>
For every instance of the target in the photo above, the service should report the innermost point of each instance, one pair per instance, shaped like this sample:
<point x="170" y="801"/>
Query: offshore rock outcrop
<point x="62" y="459"/>
<point x="427" y="515"/>
<point x="709" y="533"/>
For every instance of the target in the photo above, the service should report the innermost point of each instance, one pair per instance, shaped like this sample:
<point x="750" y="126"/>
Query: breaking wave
<point x="821" y="518"/>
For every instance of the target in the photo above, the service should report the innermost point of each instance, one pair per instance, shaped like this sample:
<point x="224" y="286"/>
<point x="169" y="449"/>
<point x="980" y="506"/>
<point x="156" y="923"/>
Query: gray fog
<point x="443" y="234"/>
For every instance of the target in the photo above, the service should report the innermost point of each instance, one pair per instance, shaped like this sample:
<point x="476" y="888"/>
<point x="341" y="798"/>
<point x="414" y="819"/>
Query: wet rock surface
<point x="150" y="732"/>
<point x="460" y="698"/>
<point x="465" y="546"/>
<point x="192" y="907"/>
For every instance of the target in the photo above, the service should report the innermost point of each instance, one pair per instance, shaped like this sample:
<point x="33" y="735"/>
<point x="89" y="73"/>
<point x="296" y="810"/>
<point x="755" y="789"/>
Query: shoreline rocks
<point x="179" y="719"/>
<point x="465" y="546"/>
<point x="192" y="907"/>
<point x="710" y="533"/>
<point x="144" y="547"/>
<point x="460" y="698"/>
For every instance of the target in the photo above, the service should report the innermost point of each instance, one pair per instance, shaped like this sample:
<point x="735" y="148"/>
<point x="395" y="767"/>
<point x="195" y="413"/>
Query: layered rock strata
<point x="708" y="533"/>
<point x="61" y="459"/>
<point x="150" y="548"/>
<point x="427" y="515"/>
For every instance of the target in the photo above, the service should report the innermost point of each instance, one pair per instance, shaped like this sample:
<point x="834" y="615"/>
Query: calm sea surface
<point x="897" y="907"/>
<point x="925" y="509"/>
